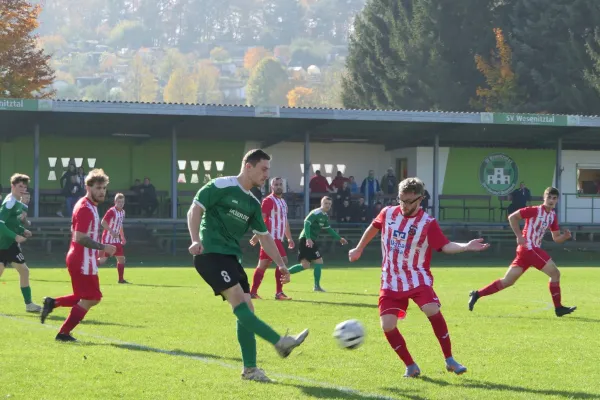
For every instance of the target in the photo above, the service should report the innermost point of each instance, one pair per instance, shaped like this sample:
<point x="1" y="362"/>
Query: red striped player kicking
<point x="408" y="236"/>
<point x="82" y="258"/>
<point x="274" y="211"/>
<point x="529" y="252"/>
<point x="114" y="234"/>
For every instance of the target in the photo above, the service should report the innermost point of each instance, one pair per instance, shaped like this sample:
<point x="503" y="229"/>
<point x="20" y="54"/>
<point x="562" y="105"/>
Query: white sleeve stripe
<point x="2" y="221"/>
<point x="260" y="233"/>
<point x="200" y="204"/>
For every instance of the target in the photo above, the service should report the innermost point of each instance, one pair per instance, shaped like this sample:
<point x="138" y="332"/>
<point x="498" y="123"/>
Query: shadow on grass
<point x="83" y="323"/>
<point x="473" y="384"/>
<point x="333" y="303"/>
<point x="565" y="318"/>
<point x="117" y="284"/>
<point x="346" y="293"/>
<point x="176" y="352"/>
<point x="320" y="392"/>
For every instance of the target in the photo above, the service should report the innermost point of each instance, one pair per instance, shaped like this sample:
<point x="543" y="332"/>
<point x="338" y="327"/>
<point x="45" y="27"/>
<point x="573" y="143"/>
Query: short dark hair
<point x="19" y="178"/>
<point x="326" y="198"/>
<point x="255" y="156"/>
<point x="411" y="185"/>
<point x="551" y="191"/>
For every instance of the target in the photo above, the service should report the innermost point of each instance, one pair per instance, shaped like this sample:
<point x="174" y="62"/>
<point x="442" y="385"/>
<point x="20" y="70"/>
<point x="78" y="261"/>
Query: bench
<point x="459" y="202"/>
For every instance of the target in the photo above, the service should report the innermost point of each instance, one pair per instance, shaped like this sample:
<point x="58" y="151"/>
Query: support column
<point x="435" y="209"/>
<point x="558" y="178"/>
<point x="306" y="173"/>
<point x="174" y="199"/>
<point x="36" y="171"/>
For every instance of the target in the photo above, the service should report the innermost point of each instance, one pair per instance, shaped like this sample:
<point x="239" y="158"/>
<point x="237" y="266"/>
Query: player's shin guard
<point x="294" y="269"/>
<point x="492" y="288"/>
<point x="396" y="340"/>
<point x="257" y="279"/>
<point x="440" y="329"/>
<point x="317" y="273"/>
<point x="75" y="317"/>
<point x="555" y="293"/>
<point x="121" y="271"/>
<point x="253" y="324"/>
<point x="26" y="292"/>
<point x="247" y="342"/>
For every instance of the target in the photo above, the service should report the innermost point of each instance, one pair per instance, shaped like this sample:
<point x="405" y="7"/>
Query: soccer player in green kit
<point x="308" y="250"/>
<point x="13" y="233"/>
<point x="222" y="212"/>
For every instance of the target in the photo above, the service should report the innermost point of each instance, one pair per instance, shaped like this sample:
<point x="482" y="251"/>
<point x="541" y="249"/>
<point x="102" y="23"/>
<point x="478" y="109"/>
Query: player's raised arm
<point x="372" y="230"/>
<point x="438" y="241"/>
<point x="556" y="235"/>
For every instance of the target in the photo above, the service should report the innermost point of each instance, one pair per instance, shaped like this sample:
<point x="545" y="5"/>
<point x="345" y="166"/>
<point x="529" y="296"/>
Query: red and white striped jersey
<point x="275" y="211"/>
<point x="537" y="220"/>
<point x="114" y="218"/>
<point x="85" y="220"/>
<point x="406" y="244"/>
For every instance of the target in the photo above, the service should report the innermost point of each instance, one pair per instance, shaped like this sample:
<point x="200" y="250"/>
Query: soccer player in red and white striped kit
<point x="529" y="251"/>
<point x="114" y="234"/>
<point x="408" y="236"/>
<point x="274" y="211"/>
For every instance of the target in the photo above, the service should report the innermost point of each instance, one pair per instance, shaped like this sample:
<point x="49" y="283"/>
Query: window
<point x="588" y="179"/>
<point x="189" y="171"/>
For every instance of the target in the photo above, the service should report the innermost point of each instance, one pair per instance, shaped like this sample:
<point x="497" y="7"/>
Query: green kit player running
<point x="12" y="234"/>
<point x="308" y="250"/>
<point x="222" y="212"/>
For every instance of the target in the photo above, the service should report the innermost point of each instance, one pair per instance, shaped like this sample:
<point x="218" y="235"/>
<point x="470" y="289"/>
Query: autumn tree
<point x="219" y="54"/>
<point x="302" y="97"/>
<point x="502" y="92"/>
<point x="141" y="84"/>
<point x="268" y="84"/>
<point x="254" y="55"/>
<point x="25" y="70"/>
<point x="206" y="77"/>
<point x="181" y="88"/>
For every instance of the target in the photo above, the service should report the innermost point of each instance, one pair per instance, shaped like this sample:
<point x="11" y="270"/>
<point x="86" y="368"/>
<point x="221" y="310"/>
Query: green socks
<point x="26" y="291"/>
<point x="254" y="325"/>
<point x="317" y="272"/>
<point x="296" y="268"/>
<point x="247" y="345"/>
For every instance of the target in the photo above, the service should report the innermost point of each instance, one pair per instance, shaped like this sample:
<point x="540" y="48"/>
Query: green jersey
<point x="229" y="211"/>
<point x="10" y="221"/>
<point x="314" y="222"/>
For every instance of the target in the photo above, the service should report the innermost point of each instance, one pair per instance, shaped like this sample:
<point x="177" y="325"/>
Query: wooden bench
<point x="459" y="202"/>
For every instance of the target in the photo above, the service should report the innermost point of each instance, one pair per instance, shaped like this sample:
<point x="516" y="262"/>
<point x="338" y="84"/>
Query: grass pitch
<point x="167" y="337"/>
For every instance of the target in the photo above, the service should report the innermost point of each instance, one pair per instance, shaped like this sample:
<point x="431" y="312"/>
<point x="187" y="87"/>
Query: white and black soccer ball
<point x="349" y="334"/>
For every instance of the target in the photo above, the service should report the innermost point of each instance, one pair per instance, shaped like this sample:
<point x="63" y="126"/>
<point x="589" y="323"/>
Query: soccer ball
<point x="349" y="334"/>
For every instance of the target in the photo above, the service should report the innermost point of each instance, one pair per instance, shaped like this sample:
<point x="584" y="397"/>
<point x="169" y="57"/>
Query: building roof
<point x="269" y="125"/>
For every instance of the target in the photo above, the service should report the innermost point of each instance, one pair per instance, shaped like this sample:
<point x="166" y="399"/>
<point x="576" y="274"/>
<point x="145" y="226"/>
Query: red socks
<point x="278" y="283"/>
<point x="75" y="317"/>
<point x="257" y="280"/>
<point x="398" y="343"/>
<point x="440" y="329"/>
<point x="555" y="293"/>
<point x="66" y="301"/>
<point x="121" y="270"/>
<point x="492" y="288"/>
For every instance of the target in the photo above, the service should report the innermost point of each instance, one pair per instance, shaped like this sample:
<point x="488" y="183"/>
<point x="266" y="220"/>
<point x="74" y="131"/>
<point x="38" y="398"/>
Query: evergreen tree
<point x="549" y="48"/>
<point x="417" y="54"/>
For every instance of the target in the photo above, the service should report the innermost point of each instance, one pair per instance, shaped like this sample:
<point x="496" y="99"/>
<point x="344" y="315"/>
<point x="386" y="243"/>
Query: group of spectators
<point x="143" y="197"/>
<point x="357" y="204"/>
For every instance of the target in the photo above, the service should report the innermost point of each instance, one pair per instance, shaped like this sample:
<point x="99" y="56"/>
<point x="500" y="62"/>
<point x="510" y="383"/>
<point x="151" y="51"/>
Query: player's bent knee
<point x="389" y="322"/>
<point x="430" y="309"/>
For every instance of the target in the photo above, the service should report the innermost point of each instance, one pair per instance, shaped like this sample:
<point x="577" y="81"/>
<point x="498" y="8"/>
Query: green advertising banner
<point x="529" y="119"/>
<point x="25" y="105"/>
